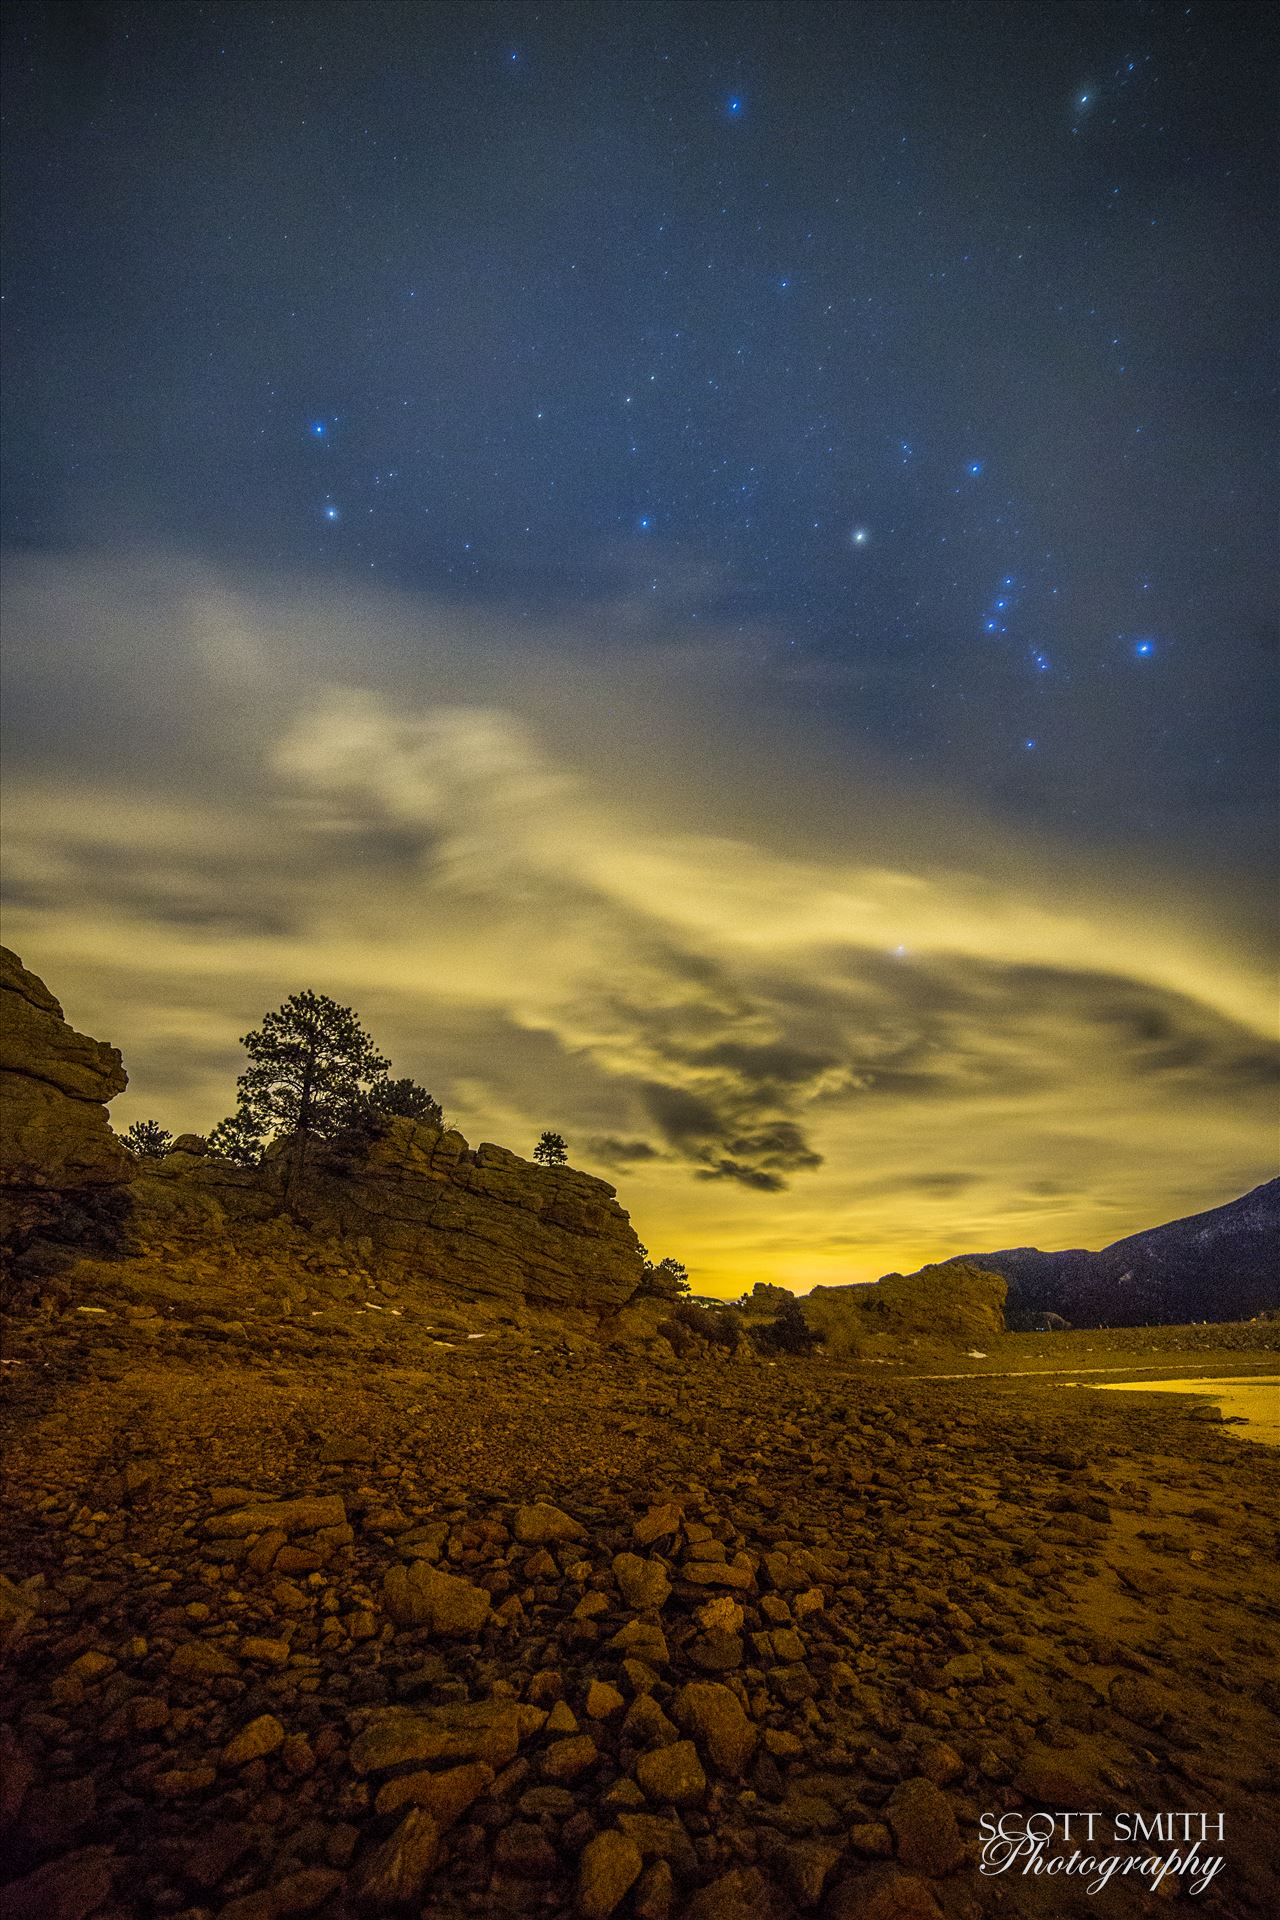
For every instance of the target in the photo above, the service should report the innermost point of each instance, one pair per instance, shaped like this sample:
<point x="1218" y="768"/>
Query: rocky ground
<point x="314" y="1615"/>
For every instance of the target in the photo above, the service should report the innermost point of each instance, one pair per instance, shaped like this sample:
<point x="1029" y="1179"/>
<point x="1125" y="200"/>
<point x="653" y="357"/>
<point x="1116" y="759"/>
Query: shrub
<point x="718" y="1326"/>
<point x="790" y="1332"/>
<point x="406" y="1100"/>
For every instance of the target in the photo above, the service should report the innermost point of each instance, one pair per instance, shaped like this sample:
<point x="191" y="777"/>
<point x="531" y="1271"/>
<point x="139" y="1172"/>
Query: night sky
<point x="711" y="568"/>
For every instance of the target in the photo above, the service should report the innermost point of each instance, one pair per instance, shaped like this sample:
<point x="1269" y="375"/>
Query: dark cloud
<point x="757" y="1151"/>
<point x="622" y="1153"/>
<point x="746" y="1176"/>
<point x="939" y="1182"/>
<point x="771" y="1064"/>
<point x="199" y="889"/>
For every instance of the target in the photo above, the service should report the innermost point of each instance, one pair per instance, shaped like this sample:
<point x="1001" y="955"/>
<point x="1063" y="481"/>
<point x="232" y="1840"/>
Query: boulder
<point x="610" y="1865"/>
<point x="948" y="1305"/>
<point x="419" y="1596"/>
<point x="713" y="1714"/>
<point x="540" y="1522"/>
<point x="63" y="1173"/>
<point x="924" y="1827"/>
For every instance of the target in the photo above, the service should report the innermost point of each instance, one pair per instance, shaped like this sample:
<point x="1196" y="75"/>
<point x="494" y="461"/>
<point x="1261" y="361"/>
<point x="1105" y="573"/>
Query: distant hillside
<point x="1219" y="1265"/>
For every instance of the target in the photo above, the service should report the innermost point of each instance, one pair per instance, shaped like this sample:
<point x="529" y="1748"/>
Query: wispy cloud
<point x="803" y="1053"/>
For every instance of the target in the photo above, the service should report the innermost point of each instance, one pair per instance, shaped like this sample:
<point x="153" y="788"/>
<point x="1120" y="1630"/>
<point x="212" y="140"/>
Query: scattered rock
<point x="741" y="1894"/>
<point x="609" y="1866"/>
<point x="643" y="1583"/>
<point x="541" y="1523"/>
<point x="924" y="1827"/>
<point x="398" y="1736"/>
<point x="713" y="1714"/>
<point x="254" y="1741"/>
<point x="672" y="1774"/>
<point x="420" y="1596"/>
<point x="65" y="1889"/>
<point x="396" y="1873"/>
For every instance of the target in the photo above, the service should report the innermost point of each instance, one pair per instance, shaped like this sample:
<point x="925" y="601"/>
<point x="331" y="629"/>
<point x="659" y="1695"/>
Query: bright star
<point x="975" y="467"/>
<point x="318" y="429"/>
<point x="735" y="105"/>
<point x="644" y="523"/>
<point x="1029" y="746"/>
<point x="860" y="536"/>
<point x="992" y="626"/>
<point x="332" y="513"/>
<point x="1144" y="648"/>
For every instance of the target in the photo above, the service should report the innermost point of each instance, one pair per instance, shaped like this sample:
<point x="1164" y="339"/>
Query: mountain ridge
<point x="1220" y="1264"/>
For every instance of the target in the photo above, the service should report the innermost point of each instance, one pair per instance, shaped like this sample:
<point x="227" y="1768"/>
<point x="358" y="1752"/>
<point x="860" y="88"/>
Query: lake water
<point x="1249" y="1397"/>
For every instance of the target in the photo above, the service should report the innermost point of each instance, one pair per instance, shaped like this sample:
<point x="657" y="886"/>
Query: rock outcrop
<point x="949" y="1305"/>
<point x="63" y="1169"/>
<point x="414" y="1208"/>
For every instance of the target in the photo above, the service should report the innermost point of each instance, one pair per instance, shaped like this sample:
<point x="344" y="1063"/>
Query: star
<point x="860" y="536"/>
<point x="1144" y="648"/>
<point x="332" y="513"/>
<point x="735" y="106"/>
<point x="319" y="431"/>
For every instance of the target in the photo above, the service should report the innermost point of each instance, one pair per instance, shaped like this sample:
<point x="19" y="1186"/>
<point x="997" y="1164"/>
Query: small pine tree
<point x="148" y="1140"/>
<point x="552" y="1149"/>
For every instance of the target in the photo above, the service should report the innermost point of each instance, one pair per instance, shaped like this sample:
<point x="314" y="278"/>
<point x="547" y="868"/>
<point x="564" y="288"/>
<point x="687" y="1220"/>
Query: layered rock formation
<point x="416" y="1207"/>
<point x="63" y="1168"/>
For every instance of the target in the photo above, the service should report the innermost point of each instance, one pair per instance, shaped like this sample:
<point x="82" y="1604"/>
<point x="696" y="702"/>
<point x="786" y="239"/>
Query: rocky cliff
<point x="63" y="1170"/>
<point x="412" y="1209"/>
<point x="415" y="1208"/>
